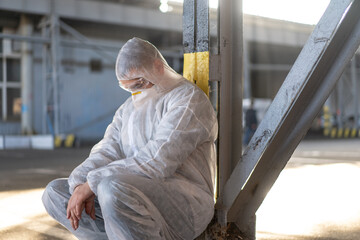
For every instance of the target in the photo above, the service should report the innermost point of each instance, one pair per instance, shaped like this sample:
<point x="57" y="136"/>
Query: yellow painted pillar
<point x="196" y="69"/>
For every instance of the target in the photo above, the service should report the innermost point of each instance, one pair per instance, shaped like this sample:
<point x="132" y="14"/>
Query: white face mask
<point x="143" y="95"/>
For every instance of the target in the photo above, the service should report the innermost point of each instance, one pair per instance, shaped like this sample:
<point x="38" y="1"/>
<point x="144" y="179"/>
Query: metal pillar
<point x="307" y="86"/>
<point x="230" y="59"/>
<point x="196" y="42"/>
<point x="55" y="35"/>
<point x="26" y="28"/>
<point x="224" y="166"/>
<point x="237" y="78"/>
<point x="4" y="77"/>
<point x="231" y="66"/>
<point x="44" y="68"/>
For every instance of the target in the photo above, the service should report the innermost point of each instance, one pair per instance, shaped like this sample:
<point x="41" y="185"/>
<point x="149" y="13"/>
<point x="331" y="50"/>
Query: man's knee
<point x="56" y="190"/>
<point x="113" y="190"/>
<point x="102" y="187"/>
<point x="106" y="195"/>
<point x="106" y="190"/>
<point x="57" y="186"/>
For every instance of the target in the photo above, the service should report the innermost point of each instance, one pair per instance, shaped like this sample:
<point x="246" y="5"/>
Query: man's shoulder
<point x="187" y="94"/>
<point x="186" y="89"/>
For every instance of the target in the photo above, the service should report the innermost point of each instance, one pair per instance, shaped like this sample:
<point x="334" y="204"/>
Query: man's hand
<point x="82" y="198"/>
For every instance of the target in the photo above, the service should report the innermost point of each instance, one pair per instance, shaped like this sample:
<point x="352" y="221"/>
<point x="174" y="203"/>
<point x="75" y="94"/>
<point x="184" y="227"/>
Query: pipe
<point x="4" y="77"/>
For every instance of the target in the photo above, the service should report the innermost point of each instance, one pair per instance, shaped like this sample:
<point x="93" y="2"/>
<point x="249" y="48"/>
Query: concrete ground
<point x="23" y="176"/>
<point x="315" y="197"/>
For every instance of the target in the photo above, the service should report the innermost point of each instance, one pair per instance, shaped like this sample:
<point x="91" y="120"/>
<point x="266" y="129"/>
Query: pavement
<point x="23" y="177"/>
<point x="315" y="197"/>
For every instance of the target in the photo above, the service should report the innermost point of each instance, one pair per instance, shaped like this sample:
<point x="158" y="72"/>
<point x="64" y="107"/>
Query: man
<point x="250" y="123"/>
<point x="152" y="176"/>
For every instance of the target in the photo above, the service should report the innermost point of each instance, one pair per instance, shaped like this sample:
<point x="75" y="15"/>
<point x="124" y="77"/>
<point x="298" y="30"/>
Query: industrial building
<point x="57" y="71"/>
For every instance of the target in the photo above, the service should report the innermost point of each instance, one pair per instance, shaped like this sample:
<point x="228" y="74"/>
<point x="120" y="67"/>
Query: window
<point x="95" y="65"/>
<point x="10" y="84"/>
<point x="13" y="104"/>
<point x="13" y="70"/>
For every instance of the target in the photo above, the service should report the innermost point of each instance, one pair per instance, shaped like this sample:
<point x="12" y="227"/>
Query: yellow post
<point x="326" y="116"/>
<point x="340" y="133"/>
<point x="196" y="69"/>
<point x="353" y="132"/>
<point x="333" y="132"/>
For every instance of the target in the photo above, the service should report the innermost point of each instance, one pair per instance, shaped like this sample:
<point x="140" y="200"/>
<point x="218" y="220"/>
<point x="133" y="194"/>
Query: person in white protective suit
<point x="152" y="176"/>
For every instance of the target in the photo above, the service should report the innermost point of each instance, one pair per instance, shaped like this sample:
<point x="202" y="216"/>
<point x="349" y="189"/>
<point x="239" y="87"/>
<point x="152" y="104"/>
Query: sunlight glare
<point x="18" y="207"/>
<point x="301" y="11"/>
<point x="304" y="11"/>
<point x="305" y="199"/>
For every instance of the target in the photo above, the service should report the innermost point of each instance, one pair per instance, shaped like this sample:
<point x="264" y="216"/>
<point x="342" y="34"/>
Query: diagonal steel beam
<point x="305" y="89"/>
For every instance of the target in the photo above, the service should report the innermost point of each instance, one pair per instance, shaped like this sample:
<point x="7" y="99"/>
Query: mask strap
<point x="135" y="93"/>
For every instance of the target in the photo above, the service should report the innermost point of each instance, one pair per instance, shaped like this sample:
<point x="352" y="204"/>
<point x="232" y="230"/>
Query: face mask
<point x="140" y="97"/>
<point x="135" y="85"/>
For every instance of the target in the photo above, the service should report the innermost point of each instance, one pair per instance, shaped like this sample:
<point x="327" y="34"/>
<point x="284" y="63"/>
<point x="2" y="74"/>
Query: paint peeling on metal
<point x="225" y="42"/>
<point x="266" y="133"/>
<point x="322" y="39"/>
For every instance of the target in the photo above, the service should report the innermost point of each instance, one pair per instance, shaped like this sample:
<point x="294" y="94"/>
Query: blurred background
<point x="57" y="62"/>
<point x="58" y="93"/>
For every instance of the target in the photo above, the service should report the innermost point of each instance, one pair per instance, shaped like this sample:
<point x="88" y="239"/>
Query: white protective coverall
<point x="153" y="173"/>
